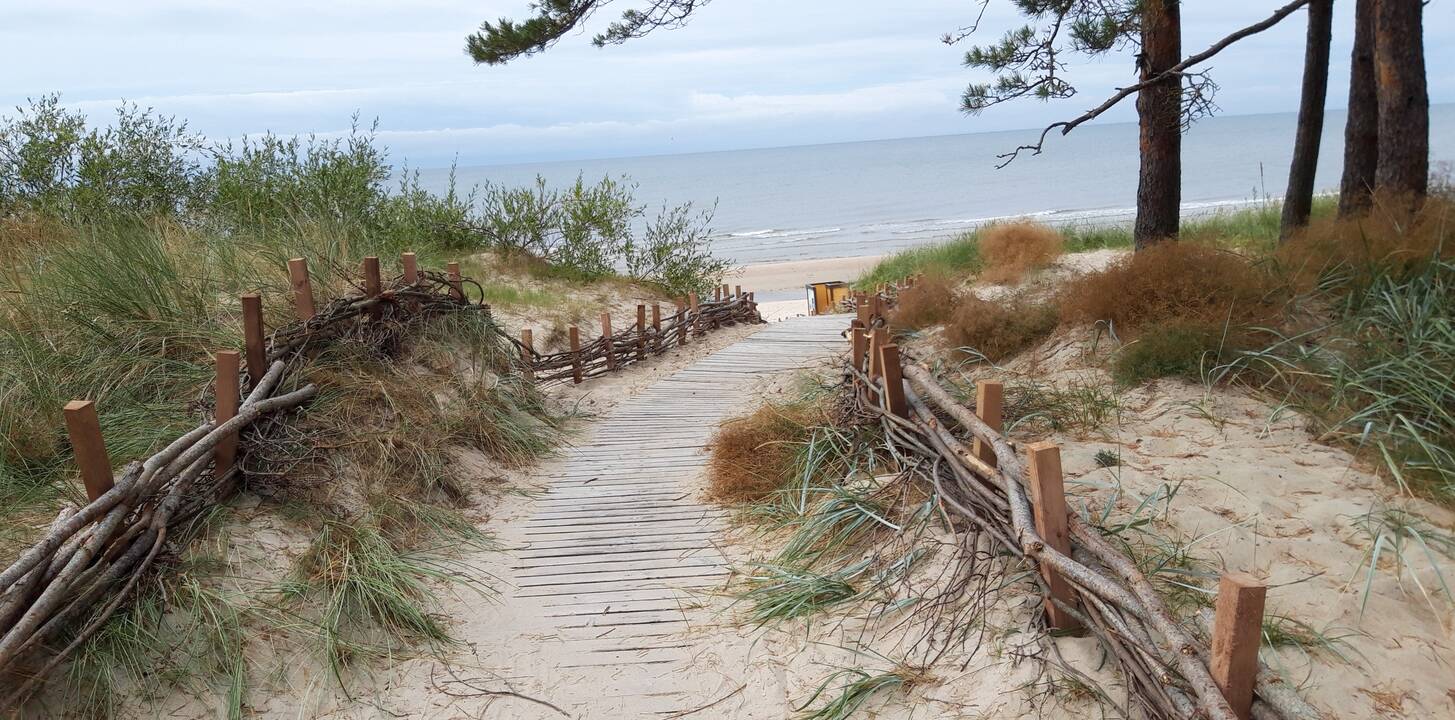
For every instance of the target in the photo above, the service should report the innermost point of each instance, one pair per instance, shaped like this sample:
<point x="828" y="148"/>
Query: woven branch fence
<point x="92" y="557"/>
<point x="648" y="336"/>
<point x="1205" y="668"/>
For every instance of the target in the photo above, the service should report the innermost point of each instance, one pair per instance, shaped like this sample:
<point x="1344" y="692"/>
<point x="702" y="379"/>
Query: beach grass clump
<point x="1012" y="249"/>
<point x="957" y="257"/>
<point x="929" y="302"/>
<point x="996" y="330"/>
<point x="1178" y="347"/>
<point x="756" y="455"/>
<point x="1172" y="280"/>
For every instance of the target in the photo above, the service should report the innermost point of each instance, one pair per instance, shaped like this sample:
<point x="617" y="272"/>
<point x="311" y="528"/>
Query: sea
<point x="868" y="198"/>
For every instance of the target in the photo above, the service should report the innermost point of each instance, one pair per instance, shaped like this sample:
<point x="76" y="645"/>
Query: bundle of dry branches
<point x="1164" y="662"/>
<point x="607" y="353"/>
<point x="93" y="556"/>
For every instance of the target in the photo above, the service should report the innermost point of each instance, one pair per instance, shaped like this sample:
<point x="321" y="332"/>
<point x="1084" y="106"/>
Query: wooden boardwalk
<point x="609" y="571"/>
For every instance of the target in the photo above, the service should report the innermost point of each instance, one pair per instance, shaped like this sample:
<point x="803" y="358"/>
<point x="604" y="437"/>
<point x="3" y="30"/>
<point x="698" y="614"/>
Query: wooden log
<point x="858" y="344"/>
<point x="457" y="286"/>
<point x="411" y="268"/>
<point x="1048" y="506"/>
<point x="575" y="337"/>
<point x="302" y="288"/>
<point x="527" y="352"/>
<point x="1237" y="633"/>
<point x="989" y="401"/>
<point x="641" y="332"/>
<point x="257" y="354"/>
<point x="889" y="365"/>
<point x="606" y="333"/>
<point x="228" y="394"/>
<point x="84" y="428"/>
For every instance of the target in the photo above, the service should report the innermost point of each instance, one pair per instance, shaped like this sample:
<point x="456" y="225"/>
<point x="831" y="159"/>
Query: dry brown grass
<point x="1173" y="280"/>
<point x="1391" y="239"/>
<point x="1010" y="250"/>
<point x="999" y="329"/>
<point x="929" y="302"/>
<point x="756" y="454"/>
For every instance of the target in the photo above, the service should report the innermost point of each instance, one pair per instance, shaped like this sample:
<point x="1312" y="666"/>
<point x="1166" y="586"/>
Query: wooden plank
<point x="1237" y="633"/>
<point x="84" y="428"/>
<point x="1048" y="498"/>
<point x="302" y="289"/>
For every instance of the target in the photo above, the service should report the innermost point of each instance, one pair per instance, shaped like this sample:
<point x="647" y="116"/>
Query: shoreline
<point x="780" y="285"/>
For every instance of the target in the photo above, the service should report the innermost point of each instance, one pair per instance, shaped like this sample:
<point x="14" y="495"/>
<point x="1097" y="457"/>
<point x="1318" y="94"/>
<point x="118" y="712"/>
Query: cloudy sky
<point x="745" y="73"/>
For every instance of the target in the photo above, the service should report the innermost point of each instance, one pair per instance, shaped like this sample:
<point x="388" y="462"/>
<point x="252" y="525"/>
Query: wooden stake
<point x="858" y="344"/>
<point x="681" y="324"/>
<point x="85" y="430"/>
<point x="696" y="315"/>
<point x="457" y="286"/>
<point x="989" y="398"/>
<point x="411" y="268"/>
<point x="894" y="400"/>
<point x="641" y="332"/>
<point x="1048" y="504"/>
<point x="372" y="284"/>
<point x="252" y="308"/>
<point x="1237" y="632"/>
<point x="228" y="395"/>
<point x="656" y="328"/>
<point x="725" y="295"/>
<point x="606" y="333"/>
<point x="861" y="307"/>
<point x="575" y="336"/>
<point x="878" y="338"/>
<point x="527" y="354"/>
<point x="302" y="288"/>
<point x="876" y="306"/>
<point x="717" y="294"/>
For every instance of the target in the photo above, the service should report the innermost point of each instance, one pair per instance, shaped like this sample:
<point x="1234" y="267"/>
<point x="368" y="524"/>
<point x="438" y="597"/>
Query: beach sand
<point x="782" y="277"/>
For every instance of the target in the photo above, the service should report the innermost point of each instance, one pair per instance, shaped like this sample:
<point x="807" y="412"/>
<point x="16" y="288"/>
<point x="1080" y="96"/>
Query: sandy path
<point x="609" y="569"/>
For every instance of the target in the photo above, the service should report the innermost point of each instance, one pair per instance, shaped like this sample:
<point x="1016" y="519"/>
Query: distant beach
<point x="850" y="200"/>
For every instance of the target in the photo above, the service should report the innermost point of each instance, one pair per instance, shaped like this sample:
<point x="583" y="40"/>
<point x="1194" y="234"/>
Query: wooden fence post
<point x="725" y="294"/>
<point x="861" y="308"/>
<point x="717" y="293"/>
<point x="738" y="292"/>
<point x="876" y="307"/>
<point x="1237" y="633"/>
<point x="1048" y="505"/>
<point x="641" y="332"/>
<point x="228" y="396"/>
<point x="858" y="344"/>
<point x="575" y="337"/>
<point x="411" y="268"/>
<point x="696" y="315"/>
<point x="252" y="308"/>
<point x="527" y="354"/>
<point x="372" y="284"/>
<point x="302" y="288"/>
<point x="656" y="328"/>
<point x="457" y="287"/>
<point x="606" y="335"/>
<point x="84" y="429"/>
<point x="989" y="399"/>
<point x="878" y="338"/>
<point x="681" y="324"/>
<point x="893" y="380"/>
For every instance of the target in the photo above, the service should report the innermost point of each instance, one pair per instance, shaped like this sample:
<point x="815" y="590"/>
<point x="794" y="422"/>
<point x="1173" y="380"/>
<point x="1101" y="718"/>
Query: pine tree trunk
<point x="1298" y="199"/>
<point x="1404" y="104"/>
<point x="1361" y="130"/>
<point x="1159" y="115"/>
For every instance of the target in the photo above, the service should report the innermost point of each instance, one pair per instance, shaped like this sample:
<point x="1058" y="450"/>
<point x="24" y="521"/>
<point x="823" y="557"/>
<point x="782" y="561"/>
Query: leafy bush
<point x="591" y="231"/>
<point x="1013" y="249"/>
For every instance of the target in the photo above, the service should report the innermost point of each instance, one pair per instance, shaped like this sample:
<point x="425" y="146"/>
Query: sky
<point x="744" y="73"/>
